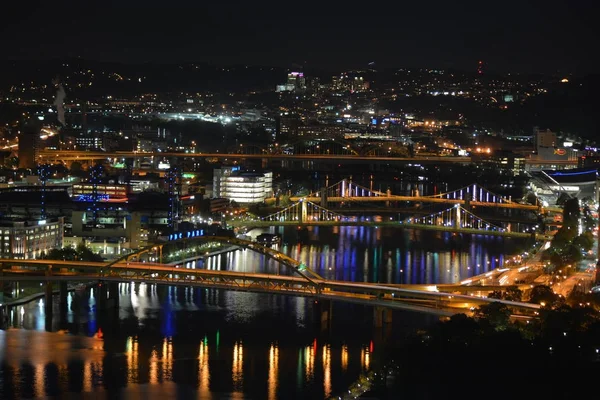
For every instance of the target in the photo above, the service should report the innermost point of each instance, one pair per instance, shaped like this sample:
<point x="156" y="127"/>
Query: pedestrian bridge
<point x="295" y="279"/>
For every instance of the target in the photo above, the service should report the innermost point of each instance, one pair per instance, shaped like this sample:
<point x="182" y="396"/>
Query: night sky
<point x="550" y="36"/>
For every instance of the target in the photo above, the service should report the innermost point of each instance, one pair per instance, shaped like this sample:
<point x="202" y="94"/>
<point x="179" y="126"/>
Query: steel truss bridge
<point x="297" y="280"/>
<point x="346" y="191"/>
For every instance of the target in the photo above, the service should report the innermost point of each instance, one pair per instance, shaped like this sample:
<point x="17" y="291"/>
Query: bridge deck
<point x="363" y="293"/>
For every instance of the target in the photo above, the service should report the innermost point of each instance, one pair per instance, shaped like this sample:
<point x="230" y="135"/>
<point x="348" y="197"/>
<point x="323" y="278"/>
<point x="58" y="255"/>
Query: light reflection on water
<point x="165" y="342"/>
<point x="202" y="343"/>
<point x="367" y="254"/>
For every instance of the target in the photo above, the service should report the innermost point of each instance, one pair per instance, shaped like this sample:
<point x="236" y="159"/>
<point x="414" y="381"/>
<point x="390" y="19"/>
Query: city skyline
<point x="550" y="38"/>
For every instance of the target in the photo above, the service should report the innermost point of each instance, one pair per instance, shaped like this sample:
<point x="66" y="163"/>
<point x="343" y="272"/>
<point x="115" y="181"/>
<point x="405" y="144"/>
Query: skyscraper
<point x="29" y="142"/>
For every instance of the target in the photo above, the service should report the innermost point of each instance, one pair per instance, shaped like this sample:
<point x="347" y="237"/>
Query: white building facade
<point x="242" y="187"/>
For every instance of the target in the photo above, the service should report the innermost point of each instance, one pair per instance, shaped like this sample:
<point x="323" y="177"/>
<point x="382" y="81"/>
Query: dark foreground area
<point x="491" y="357"/>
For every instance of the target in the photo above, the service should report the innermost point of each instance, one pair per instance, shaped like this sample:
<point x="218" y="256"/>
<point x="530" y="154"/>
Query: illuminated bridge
<point x="472" y="195"/>
<point x="454" y="219"/>
<point x="293" y="279"/>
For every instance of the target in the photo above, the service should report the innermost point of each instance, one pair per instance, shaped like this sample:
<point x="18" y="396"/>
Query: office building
<point x="89" y="142"/>
<point x="544" y="139"/>
<point x="242" y="187"/>
<point x="295" y="82"/>
<point x="30" y="239"/>
<point x="287" y="126"/>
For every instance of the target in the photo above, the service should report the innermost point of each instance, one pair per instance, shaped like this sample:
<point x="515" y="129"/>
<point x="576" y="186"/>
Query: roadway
<point x="70" y="155"/>
<point x="423" y="199"/>
<point x="419" y="300"/>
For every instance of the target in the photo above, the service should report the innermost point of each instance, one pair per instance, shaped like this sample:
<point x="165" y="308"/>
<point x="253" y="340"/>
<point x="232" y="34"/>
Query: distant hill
<point x="127" y="79"/>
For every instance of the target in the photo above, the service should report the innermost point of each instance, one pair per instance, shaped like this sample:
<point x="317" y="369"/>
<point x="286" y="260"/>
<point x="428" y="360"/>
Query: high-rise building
<point x="29" y="142"/>
<point x="286" y="126"/>
<point x="353" y="81"/>
<point x="296" y="79"/>
<point x="544" y="139"/>
<point x="295" y="82"/>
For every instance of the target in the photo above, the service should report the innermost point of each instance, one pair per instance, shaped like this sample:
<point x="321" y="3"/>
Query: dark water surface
<point x="181" y="342"/>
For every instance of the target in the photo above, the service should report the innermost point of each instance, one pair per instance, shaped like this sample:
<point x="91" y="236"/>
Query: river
<point x="385" y="255"/>
<point x="178" y="342"/>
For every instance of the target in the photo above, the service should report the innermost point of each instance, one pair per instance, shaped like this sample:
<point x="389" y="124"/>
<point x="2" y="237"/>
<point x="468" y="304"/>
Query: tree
<point x="496" y="294"/>
<point x="571" y="214"/>
<point x="585" y="241"/>
<point x="562" y="198"/>
<point x="544" y="295"/>
<point x="513" y="293"/>
<point x="497" y="314"/>
<point x="85" y="254"/>
<point x="588" y="221"/>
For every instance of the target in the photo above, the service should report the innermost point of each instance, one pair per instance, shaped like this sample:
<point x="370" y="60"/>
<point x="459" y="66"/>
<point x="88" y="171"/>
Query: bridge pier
<point x="381" y="316"/>
<point x="113" y="295"/>
<point x="63" y="293"/>
<point x="101" y="296"/>
<point x="322" y="313"/>
<point x="48" y="301"/>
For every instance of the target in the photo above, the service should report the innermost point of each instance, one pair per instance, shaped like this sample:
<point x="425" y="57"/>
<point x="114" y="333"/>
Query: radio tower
<point x="480" y="68"/>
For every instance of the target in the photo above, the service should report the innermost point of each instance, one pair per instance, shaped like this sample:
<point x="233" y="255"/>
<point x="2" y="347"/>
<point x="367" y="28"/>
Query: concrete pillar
<point x="381" y="316"/>
<point x="388" y="193"/>
<point x="322" y="313"/>
<point x="467" y="205"/>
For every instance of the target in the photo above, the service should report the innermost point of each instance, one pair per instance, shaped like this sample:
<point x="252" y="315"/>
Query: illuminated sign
<point x="560" y="152"/>
<point x="186" y="235"/>
<point x="90" y="198"/>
